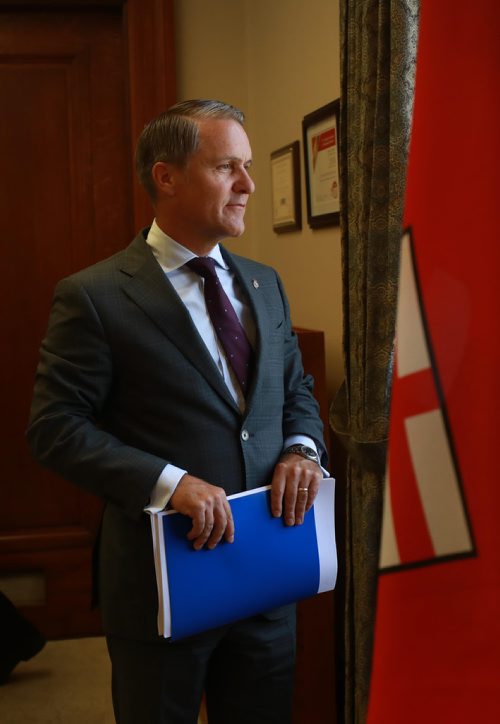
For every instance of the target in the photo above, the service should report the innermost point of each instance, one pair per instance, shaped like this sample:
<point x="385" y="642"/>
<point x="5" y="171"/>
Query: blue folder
<point x="268" y="565"/>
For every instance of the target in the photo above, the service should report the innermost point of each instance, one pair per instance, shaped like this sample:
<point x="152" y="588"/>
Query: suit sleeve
<point x="301" y="411"/>
<point x="73" y="381"/>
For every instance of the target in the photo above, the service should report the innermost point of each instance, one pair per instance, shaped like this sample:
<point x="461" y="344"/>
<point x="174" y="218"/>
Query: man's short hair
<point x="173" y="136"/>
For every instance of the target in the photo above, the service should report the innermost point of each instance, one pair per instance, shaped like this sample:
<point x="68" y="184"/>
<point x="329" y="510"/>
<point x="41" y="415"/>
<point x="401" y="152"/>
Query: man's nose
<point x="244" y="184"/>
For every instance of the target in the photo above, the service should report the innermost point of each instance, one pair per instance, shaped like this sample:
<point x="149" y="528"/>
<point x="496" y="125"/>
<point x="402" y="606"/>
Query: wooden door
<point x="77" y="83"/>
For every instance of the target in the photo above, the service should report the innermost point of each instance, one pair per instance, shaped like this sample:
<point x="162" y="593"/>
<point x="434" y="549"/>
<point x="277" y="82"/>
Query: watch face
<point x="305" y="451"/>
<point x="308" y="452"/>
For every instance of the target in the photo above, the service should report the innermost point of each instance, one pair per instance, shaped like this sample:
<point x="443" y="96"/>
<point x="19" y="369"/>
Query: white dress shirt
<point x="172" y="258"/>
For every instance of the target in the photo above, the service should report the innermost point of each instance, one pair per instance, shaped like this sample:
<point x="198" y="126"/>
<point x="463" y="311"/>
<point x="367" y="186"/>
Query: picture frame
<point x="321" y="161"/>
<point x="285" y="185"/>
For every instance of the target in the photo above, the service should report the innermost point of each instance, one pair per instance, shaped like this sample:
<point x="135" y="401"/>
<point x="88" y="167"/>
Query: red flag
<point x="425" y="515"/>
<point x="437" y="641"/>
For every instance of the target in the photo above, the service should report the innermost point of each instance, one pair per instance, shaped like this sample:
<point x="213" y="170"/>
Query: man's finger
<point x="229" y="532"/>
<point x="200" y="540"/>
<point x="198" y="525"/>
<point x="313" y="491"/>
<point x="277" y="489"/>
<point x="220" y="524"/>
<point x="301" y="503"/>
<point x="291" y="494"/>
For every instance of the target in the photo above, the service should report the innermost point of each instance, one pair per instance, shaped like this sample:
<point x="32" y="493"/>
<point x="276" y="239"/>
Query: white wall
<point x="277" y="60"/>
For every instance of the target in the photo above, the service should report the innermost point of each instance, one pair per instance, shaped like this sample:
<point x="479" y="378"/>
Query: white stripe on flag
<point x="437" y="483"/>
<point x="412" y="352"/>
<point x="389" y="553"/>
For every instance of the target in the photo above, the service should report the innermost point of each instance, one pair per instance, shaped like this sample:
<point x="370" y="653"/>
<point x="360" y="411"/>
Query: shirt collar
<point x="171" y="255"/>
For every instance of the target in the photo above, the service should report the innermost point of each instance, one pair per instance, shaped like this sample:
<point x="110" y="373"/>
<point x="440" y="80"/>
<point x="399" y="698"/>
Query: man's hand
<point x="294" y="487"/>
<point x="208" y="508"/>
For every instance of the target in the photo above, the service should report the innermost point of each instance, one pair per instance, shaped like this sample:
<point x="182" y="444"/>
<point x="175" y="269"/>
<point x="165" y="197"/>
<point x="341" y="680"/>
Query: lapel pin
<point x="255" y="283"/>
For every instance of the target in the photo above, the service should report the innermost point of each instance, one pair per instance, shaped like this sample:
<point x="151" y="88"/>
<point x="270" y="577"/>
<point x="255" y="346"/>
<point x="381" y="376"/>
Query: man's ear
<point x="165" y="176"/>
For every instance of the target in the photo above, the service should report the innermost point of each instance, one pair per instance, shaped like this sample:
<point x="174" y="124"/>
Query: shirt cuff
<point x="164" y="488"/>
<point x="304" y="440"/>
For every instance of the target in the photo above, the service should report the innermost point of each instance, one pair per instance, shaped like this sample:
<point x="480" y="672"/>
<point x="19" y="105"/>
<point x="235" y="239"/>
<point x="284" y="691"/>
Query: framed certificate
<point x="320" y="131"/>
<point x="285" y="182"/>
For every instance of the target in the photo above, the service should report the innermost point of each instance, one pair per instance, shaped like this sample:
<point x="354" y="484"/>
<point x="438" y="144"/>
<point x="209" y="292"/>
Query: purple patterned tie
<point x="226" y="323"/>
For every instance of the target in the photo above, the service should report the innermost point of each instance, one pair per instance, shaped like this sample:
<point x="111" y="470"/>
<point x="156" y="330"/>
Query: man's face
<point x="212" y="190"/>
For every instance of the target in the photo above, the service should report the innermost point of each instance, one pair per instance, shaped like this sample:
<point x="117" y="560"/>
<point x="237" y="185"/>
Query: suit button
<point x="245" y="435"/>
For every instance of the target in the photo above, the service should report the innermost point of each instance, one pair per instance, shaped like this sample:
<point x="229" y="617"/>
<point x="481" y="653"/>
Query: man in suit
<point x="139" y="400"/>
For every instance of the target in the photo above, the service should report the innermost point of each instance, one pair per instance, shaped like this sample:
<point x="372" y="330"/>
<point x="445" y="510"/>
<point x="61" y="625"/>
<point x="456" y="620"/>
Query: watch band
<point x="304" y="451"/>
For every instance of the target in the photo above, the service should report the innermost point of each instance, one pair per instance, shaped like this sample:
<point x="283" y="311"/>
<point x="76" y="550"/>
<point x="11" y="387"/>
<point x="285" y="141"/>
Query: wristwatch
<point x="304" y="451"/>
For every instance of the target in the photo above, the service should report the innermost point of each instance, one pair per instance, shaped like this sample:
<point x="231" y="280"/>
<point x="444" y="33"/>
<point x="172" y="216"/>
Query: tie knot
<point x="203" y="265"/>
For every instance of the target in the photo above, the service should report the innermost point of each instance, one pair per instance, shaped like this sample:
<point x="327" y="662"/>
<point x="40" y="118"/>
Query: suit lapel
<point x="146" y="284"/>
<point x="245" y="273"/>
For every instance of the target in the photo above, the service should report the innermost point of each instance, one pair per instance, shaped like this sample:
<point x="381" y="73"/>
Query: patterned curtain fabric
<point x="378" y="46"/>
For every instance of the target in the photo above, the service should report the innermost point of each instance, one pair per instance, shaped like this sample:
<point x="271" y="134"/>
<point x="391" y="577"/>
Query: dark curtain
<point x="378" y="47"/>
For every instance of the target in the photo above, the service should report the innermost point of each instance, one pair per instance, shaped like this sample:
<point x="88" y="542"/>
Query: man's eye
<point x="225" y="166"/>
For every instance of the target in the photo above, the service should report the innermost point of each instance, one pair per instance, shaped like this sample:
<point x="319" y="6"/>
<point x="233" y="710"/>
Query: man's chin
<point x="234" y="221"/>
<point x="235" y="230"/>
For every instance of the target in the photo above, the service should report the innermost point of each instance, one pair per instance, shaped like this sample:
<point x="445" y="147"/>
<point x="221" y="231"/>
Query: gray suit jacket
<point x="125" y="384"/>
